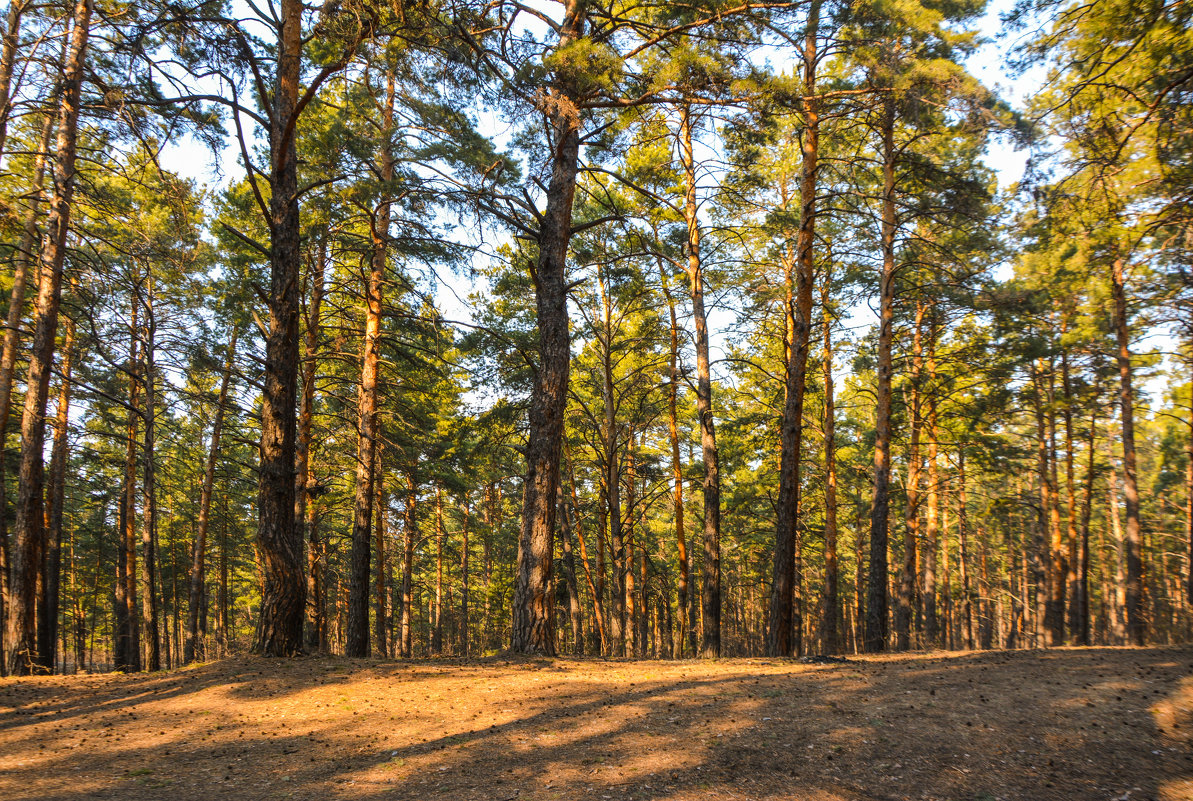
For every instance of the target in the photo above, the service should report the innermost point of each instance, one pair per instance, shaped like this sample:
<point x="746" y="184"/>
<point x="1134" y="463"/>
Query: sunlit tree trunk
<point x="831" y="635"/>
<point x="149" y="577"/>
<point x="1133" y="587"/>
<point x="29" y="526"/>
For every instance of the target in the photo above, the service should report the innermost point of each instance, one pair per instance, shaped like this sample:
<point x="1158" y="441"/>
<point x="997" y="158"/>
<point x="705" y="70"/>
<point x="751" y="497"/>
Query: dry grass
<point x="1062" y="724"/>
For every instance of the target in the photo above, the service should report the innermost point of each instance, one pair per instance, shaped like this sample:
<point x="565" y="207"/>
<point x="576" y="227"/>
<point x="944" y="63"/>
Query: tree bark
<point x="410" y="526"/>
<point x="932" y="515"/>
<point x="876" y="597"/>
<point x="47" y="625"/>
<point x="149" y="577"/>
<point x="783" y="620"/>
<point x="911" y="541"/>
<point x="357" y="643"/>
<point x="8" y="357"/>
<point x="533" y="628"/>
<point x="305" y="508"/>
<point x="1134" y="577"/>
<point x="283" y="592"/>
<point x="381" y="590"/>
<point x="831" y="634"/>
<point x="710" y="594"/>
<point x="29" y="525"/>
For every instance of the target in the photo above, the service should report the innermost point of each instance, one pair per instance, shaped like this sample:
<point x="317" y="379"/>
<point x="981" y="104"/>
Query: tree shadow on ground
<point x="1062" y="724"/>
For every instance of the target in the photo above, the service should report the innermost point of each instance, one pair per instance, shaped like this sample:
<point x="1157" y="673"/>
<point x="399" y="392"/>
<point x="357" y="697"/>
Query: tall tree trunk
<point x="465" y="634"/>
<point x="195" y="648"/>
<point x="573" y="588"/>
<point x="687" y="610"/>
<point x="831" y="634"/>
<point x="967" y="593"/>
<point x="1082" y="631"/>
<point x="1055" y="608"/>
<point x="1134" y="577"/>
<point x="357" y="643"/>
<point x="710" y="645"/>
<point x="612" y="477"/>
<point x="127" y="638"/>
<point x="911" y="538"/>
<point x="533" y="628"/>
<point x="782" y="620"/>
<point x="8" y="358"/>
<point x="1041" y="556"/>
<point x="1071" y="576"/>
<point x="876" y="600"/>
<point x="283" y="594"/>
<point x="29" y="525"/>
<point x="1118" y="605"/>
<point x="8" y="59"/>
<point x="381" y="591"/>
<point x="149" y="578"/>
<point x="598" y="611"/>
<point x="305" y="509"/>
<point x="409" y="535"/>
<point x="47" y="625"/>
<point x="440" y="541"/>
<point x="932" y="516"/>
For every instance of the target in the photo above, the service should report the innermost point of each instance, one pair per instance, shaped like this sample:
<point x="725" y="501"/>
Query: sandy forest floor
<point x="1063" y="724"/>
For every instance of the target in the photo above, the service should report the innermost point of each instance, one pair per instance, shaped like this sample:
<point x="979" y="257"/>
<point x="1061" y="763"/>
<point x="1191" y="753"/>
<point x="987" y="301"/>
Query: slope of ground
<point x="1060" y="724"/>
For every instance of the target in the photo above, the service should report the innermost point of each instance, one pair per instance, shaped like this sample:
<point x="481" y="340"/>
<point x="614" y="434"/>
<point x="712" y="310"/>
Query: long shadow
<point x="1092" y="723"/>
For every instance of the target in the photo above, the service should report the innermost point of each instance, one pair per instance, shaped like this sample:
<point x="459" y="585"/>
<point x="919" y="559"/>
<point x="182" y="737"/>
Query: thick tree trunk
<point x="533" y="625"/>
<point x="876" y="600"/>
<point x="1134" y="577"/>
<point x="29" y="526"/>
<point x="783" y="620"/>
<point x="8" y="358"/>
<point x="47" y="624"/>
<point x="279" y="543"/>
<point x="195" y="648"/>
<point x="710" y="595"/>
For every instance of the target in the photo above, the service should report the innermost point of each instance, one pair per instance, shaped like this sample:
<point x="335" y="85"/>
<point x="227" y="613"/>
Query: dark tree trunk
<point x="932" y="633"/>
<point x="911" y="537"/>
<point x="783" y="620"/>
<point x="876" y="598"/>
<point x="8" y="359"/>
<point x="409" y="535"/>
<point x="533" y="625"/>
<point x="47" y="624"/>
<point x="149" y="577"/>
<point x="283" y="592"/>
<point x="381" y="591"/>
<point x="29" y="525"/>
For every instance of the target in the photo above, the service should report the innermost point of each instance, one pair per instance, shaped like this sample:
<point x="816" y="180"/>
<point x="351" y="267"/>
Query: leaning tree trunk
<point x="357" y="643"/>
<point x="1134" y="578"/>
<point x="29" y="526"/>
<point x="194" y="648"/>
<point x="533" y="628"/>
<point x="876" y="596"/>
<point x="783" y="619"/>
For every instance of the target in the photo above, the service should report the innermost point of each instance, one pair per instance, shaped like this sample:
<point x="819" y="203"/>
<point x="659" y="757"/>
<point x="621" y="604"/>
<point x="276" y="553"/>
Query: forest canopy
<point x="655" y="330"/>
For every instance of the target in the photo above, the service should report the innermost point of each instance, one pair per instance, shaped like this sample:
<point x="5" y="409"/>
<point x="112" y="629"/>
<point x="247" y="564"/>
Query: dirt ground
<point x="1062" y="724"/>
